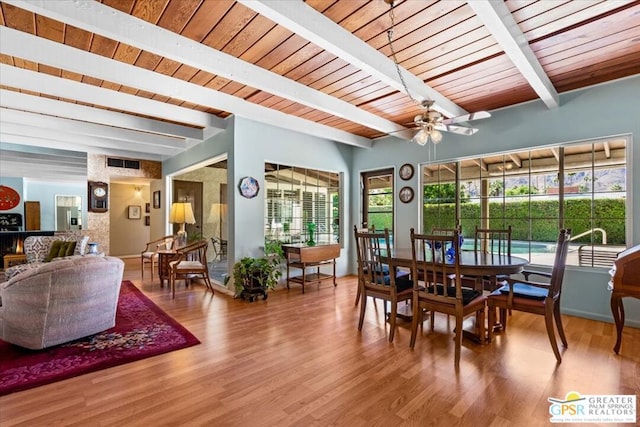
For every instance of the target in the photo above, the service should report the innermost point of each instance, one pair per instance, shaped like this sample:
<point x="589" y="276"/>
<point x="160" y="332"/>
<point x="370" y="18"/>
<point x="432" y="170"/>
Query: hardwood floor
<point x="299" y="360"/>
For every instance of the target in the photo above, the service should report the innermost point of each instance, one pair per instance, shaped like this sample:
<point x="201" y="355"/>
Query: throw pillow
<point x="70" y="248"/>
<point x="54" y="251"/>
<point x="81" y="245"/>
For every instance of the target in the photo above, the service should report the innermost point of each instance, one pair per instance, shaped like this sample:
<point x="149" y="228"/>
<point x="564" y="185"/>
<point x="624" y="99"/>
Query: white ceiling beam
<point x="46" y="142"/>
<point x="36" y="49"/>
<point x="83" y="140"/>
<point x="496" y="16"/>
<point x="56" y="86"/>
<point x="52" y="107"/>
<point x="312" y="25"/>
<point x="111" y="23"/>
<point x="37" y="120"/>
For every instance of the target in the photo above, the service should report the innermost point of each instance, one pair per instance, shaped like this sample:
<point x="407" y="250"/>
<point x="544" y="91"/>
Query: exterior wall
<point x="600" y="111"/>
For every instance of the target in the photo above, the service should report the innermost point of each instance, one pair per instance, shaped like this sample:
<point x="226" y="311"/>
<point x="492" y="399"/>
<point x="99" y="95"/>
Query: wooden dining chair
<point x="190" y="263"/>
<point x="495" y="241"/>
<point x="149" y="256"/>
<point x="431" y="264"/>
<point x="372" y="280"/>
<point x="536" y="297"/>
<point x="399" y="273"/>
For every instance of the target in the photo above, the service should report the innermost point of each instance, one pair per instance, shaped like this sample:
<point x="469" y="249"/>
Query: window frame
<point x="562" y="169"/>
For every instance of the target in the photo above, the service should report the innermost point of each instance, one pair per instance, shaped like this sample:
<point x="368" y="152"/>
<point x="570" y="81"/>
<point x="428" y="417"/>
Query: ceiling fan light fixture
<point x="421" y="138"/>
<point x="436" y="136"/>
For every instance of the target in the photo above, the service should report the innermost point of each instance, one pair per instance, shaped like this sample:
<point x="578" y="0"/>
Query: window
<point x="580" y="186"/>
<point x="296" y="197"/>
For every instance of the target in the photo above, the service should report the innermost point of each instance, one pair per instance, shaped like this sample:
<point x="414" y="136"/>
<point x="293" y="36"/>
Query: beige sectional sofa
<point x="56" y="302"/>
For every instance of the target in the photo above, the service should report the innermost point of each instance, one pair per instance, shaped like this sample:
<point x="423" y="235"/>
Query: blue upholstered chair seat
<point x="523" y="290"/>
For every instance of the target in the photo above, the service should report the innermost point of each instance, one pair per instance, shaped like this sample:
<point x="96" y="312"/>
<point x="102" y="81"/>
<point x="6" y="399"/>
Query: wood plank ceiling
<point x="149" y="79"/>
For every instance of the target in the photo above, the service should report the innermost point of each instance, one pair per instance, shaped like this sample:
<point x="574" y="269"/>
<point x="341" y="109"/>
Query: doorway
<point x="377" y="200"/>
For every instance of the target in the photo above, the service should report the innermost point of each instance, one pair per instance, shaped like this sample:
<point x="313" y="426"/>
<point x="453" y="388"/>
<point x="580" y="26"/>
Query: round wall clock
<point x="249" y="187"/>
<point x="406" y="194"/>
<point x="406" y="171"/>
<point x="9" y="198"/>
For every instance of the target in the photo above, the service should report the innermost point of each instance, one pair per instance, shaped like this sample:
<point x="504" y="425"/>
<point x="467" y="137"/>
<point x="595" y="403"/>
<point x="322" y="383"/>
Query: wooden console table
<point x="302" y="256"/>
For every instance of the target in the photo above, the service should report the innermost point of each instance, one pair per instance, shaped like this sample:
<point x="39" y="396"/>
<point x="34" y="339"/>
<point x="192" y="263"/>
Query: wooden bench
<point x="592" y="256"/>
<point x="301" y="256"/>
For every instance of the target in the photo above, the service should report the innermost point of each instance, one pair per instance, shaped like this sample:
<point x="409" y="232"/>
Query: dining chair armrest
<point x="527" y="273"/>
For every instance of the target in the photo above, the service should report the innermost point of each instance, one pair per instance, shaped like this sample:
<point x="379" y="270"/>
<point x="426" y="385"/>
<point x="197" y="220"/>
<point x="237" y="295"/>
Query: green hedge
<point x="537" y="220"/>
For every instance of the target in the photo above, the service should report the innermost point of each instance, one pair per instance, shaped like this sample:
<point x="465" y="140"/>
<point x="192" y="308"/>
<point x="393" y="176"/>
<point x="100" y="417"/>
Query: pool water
<point x="518" y="247"/>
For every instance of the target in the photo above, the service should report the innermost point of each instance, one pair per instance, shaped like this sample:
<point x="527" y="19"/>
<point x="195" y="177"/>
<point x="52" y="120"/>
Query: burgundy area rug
<point x="142" y="330"/>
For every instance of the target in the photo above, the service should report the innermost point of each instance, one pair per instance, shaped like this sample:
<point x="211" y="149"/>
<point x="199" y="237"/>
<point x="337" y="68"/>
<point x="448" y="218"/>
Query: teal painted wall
<point x="255" y="144"/>
<point x="596" y="112"/>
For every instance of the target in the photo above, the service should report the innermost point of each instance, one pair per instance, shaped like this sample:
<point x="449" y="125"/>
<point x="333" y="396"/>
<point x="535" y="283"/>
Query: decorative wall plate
<point x="249" y="187"/>
<point x="9" y="198"/>
<point x="406" y="194"/>
<point x="406" y="171"/>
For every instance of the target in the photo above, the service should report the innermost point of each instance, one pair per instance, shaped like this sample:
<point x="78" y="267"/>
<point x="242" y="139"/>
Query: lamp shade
<point x="181" y="213"/>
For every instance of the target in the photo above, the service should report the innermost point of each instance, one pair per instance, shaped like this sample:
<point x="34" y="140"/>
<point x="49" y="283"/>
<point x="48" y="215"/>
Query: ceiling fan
<point x="431" y="122"/>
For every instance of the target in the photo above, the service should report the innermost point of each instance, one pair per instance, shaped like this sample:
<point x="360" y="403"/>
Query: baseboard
<point x="600" y="318"/>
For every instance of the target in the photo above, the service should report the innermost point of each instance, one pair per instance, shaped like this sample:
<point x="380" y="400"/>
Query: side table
<point x="14" y="259"/>
<point x="164" y="258"/>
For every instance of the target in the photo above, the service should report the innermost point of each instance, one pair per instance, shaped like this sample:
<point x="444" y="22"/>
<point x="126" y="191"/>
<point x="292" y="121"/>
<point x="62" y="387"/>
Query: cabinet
<point x="625" y="282"/>
<point x="31" y="216"/>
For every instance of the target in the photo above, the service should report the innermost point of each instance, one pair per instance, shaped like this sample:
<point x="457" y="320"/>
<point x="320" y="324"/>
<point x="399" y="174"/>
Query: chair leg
<point x="548" y="320"/>
<point x="481" y="327"/>
<point x="358" y="294"/>
<point x="433" y="320"/>
<point x="172" y="283"/>
<point x="417" y="318"/>
<point x="458" y="340"/>
<point x="492" y="322"/>
<point x="142" y="267"/>
<point x="392" y="320"/>
<point x="363" y="305"/>
<point x="556" y="315"/>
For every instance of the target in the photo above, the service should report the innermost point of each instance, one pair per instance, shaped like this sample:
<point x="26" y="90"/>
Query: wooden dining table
<point x="478" y="264"/>
<point x="472" y="264"/>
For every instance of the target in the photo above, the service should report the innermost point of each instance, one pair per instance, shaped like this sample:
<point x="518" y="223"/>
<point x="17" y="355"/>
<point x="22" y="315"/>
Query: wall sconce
<point x="137" y="190"/>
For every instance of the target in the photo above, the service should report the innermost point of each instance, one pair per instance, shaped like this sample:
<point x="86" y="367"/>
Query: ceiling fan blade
<point x="467" y="117"/>
<point x="461" y="130"/>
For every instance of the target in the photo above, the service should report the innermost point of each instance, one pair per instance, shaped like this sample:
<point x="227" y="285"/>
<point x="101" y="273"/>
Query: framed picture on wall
<point x="147" y="220"/>
<point x="134" y="212"/>
<point x="156" y="199"/>
<point x="147" y="207"/>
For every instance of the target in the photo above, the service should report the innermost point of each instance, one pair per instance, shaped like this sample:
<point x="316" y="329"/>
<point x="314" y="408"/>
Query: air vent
<point x="123" y="163"/>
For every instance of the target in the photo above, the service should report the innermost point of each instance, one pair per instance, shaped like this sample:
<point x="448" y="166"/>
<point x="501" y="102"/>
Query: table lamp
<point x="181" y="213"/>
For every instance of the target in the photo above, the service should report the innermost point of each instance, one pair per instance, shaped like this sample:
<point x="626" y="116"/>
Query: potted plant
<point x="254" y="276"/>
